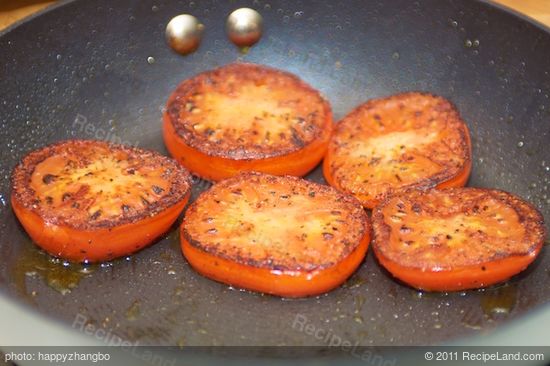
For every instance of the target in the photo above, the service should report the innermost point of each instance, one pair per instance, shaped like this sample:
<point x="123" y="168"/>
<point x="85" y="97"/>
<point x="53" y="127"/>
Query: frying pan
<point x="101" y="69"/>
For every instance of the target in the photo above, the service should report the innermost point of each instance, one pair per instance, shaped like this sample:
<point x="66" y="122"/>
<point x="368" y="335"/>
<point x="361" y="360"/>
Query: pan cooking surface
<point x="102" y="70"/>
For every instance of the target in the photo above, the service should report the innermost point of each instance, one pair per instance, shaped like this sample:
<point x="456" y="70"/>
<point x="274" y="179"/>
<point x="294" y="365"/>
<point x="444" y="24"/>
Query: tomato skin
<point x="100" y="244"/>
<point x="216" y="168"/>
<point x="246" y="117"/>
<point x="462" y="278"/>
<point x="284" y="284"/>
<point x="280" y="235"/>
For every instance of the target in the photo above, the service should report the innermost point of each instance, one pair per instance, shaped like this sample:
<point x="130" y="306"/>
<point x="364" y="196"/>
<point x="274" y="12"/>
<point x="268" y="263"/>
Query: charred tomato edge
<point x="350" y="201"/>
<point x="240" y="153"/>
<point x="25" y="196"/>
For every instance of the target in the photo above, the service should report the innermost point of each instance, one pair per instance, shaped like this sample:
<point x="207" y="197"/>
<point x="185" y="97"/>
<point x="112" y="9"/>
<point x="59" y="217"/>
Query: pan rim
<point x="32" y="16"/>
<point x="517" y="14"/>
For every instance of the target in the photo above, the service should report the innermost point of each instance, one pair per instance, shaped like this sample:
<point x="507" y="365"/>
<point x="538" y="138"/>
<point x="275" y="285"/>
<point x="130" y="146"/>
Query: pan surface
<point x="101" y="70"/>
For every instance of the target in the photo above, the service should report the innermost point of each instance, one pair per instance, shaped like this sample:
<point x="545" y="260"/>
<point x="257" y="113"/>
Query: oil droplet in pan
<point x="472" y="318"/>
<point x="60" y="275"/>
<point x="501" y="300"/>
<point x="133" y="312"/>
<point x="181" y="342"/>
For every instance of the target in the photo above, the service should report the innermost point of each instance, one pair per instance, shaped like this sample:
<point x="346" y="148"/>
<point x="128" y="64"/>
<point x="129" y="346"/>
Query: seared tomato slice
<point x="279" y="235"/>
<point x="405" y="141"/>
<point x="456" y="238"/>
<point x="92" y="201"/>
<point x="245" y="117"/>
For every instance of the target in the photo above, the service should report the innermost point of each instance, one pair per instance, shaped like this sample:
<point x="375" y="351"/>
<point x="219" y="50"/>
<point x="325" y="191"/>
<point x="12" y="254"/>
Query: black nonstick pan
<point x="102" y="70"/>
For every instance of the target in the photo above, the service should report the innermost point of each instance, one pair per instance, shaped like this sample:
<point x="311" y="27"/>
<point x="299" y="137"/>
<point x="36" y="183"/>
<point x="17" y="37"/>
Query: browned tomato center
<point x="83" y="183"/>
<point x="446" y="229"/>
<point x="276" y="222"/>
<point x="247" y="111"/>
<point x="390" y="144"/>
